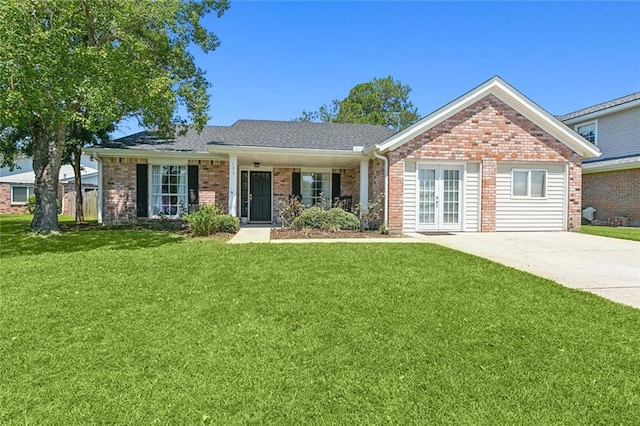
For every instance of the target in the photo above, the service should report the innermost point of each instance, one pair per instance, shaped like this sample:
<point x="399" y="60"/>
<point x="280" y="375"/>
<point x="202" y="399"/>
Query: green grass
<point x="608" y="231"/>
<point x="140" y="327"/>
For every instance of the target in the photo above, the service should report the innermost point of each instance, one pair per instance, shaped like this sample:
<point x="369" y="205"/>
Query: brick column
<point x="489" y="171"/>
<point x="396" y="195"/>
<point x="574" y="213"/>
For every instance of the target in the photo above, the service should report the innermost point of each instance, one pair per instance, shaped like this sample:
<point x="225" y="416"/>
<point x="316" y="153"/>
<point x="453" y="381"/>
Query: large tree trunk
<point x="77" y="167"/>
<point x="47" y="159"/>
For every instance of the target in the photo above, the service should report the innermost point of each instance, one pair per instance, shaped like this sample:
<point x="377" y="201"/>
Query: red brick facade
<point x="491" y="132"/>
<point x="6" y="207"/>
<point x="613" y="194"/>
<point x="119" y="186"/>
<point x="5" y="201"/>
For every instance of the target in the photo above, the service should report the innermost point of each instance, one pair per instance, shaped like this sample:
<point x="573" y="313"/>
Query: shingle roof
<point x="600" y="107"/>
<point x="261" y="133"/>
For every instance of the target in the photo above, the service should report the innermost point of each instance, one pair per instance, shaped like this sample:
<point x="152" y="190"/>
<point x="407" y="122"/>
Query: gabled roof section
<point x="259" y="134"/>
<point x="510" y="96"/>
<point x="625" y="101"/>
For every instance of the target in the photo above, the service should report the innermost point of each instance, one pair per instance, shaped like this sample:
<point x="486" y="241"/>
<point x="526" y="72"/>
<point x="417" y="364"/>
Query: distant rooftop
<point x="260" y="133"/>
<point x="600" y="107"/>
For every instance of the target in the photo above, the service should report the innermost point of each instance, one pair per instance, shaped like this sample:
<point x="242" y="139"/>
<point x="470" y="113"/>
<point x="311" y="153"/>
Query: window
<point x="20" y="194"/>
<point x="316" y="188"/>
<point x="168" y="190"/>
<point x="588" y="131"/>
<point x="529" y="183"/>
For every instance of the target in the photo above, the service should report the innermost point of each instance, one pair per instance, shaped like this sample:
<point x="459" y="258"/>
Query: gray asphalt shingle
<point x="600" y="107"/>
<point x="261" y="133"/>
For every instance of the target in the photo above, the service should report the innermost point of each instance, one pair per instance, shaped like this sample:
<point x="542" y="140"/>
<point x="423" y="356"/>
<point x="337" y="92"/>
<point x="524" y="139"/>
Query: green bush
<point x="313" y="217"/>
<point x="209" y="219"/>
<point x="227" y="223"/>
<point x="342" y="219"/>
<point x="334" y="219"/>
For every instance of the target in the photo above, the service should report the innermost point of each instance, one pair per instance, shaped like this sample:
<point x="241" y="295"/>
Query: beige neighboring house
<point x="490" y="160"/>
<point x="17" y="185"/>
<point x="611" y="183"/>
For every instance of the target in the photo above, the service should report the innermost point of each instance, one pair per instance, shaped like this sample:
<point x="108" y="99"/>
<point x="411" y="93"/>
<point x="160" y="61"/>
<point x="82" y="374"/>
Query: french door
<point x="439" y="201"/>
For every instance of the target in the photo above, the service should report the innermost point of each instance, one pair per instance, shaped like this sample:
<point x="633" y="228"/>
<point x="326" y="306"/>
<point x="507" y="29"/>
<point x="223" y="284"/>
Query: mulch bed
<point x="293" y="234"/>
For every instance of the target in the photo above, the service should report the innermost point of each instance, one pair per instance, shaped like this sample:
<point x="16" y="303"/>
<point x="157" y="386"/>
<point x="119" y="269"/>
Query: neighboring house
<point x="611" y="183"/>
<point x="491" y="160"/>
<point x="17" y="185"/>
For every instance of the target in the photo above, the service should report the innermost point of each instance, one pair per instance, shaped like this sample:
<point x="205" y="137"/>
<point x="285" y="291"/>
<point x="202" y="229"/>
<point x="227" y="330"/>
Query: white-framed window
<point x="315" y="187"/>
<point x="528" y="183"/>
<point x="589" y="131"/>
<point x="168" y="190"/>
<point x="20" y="193"/>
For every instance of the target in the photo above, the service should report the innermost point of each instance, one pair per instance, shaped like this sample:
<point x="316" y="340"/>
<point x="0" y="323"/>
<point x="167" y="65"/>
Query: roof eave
<point x="289" y="151"/>
<point x="100" y="152"/>
<point x="602" y="112"/>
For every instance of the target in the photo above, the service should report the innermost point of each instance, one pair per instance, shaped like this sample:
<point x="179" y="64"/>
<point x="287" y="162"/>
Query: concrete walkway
<point x="252" y="234"/>
<point x="608" y="267"/>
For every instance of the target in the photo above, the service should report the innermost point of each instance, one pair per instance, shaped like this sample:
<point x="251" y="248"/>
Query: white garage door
<point x="530" y="197"/>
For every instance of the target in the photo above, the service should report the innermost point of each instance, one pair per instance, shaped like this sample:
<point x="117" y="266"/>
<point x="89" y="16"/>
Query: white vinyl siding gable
<point x="472" y="198"/>
<point x="409" y="196"/>
<point x="530" y="213"/>
<point x="619" y="133"/>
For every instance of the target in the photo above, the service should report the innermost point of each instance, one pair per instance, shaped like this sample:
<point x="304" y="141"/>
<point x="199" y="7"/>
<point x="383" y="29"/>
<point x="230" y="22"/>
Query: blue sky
<point x="279" y="58"/>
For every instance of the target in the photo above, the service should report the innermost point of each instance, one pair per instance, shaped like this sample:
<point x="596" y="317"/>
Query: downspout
<point x="99" y="160"/>
<point x="386" y="186"/>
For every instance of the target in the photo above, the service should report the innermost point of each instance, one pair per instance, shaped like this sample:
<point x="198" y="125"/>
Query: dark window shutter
<point x="192" y="181"/>
<point x="142" y="190"/>
<point x="295" y="180"/>
<point x="335" y="186"/>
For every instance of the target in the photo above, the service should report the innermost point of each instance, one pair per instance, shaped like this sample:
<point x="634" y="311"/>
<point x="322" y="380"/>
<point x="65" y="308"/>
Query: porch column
<point x="233" y="184"/>
<point x="364" y="184"/>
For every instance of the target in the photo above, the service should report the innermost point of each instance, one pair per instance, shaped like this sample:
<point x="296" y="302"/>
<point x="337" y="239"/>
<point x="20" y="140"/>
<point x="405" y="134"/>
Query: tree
<point x="381" y="101"/>
<point x="79" y="137"/>
<point x="95" y="63"/>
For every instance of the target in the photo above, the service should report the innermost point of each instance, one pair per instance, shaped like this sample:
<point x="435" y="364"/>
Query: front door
<point x="439" y="205"/>
<point x="259" y="196"/>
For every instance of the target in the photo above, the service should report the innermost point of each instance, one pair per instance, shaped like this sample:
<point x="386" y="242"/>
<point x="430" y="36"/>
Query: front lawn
<point x="141" y="327"/>
<point x="608" y="231"/>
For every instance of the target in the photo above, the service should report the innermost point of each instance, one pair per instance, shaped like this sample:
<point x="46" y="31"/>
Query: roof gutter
<point x="386" y="185"/>
<point x="283" y="151"/>
<point x="144" y="153"/>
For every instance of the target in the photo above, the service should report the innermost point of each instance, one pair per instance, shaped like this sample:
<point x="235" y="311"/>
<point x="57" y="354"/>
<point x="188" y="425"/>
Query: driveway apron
<point x="604" y="266"/>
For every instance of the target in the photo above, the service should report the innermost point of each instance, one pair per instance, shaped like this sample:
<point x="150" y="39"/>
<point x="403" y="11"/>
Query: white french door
<point x="439" y="200"/>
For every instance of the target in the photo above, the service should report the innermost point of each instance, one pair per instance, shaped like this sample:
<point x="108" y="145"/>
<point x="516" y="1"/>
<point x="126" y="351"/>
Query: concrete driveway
<point x="607" y="267"/>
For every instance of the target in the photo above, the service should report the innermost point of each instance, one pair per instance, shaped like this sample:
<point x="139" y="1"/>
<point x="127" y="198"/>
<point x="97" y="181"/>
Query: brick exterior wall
<point x="5" y="201"/>
<point x="213" y="182"/>
<point x="282" y="186"/>
<point x="350" y="183"/>
<point x="119" y="186"/>
<point x="491" y="132"/>
<point x="613" y="194"/>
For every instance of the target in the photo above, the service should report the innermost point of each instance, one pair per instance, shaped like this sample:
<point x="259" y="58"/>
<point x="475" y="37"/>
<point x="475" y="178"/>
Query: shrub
<point x="371" y="218"/>
<point x="341" y="219"/>
<point x="227" y="223"/>
<point x="313" y="217"/>
<point x="209" y="219"/>
<point x="289" y="209"/>
<point x="334" y="219"/>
